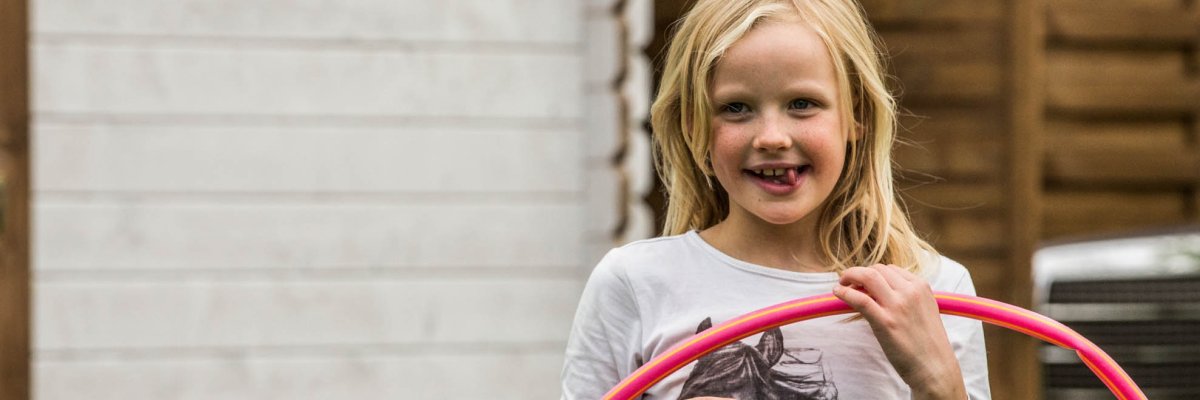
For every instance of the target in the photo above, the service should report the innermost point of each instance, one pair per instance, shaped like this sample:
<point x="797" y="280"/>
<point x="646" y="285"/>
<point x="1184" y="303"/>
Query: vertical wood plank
<point x="1021" y="377"/>
<point x="1194" y="69"/>
<point x="14" y="170"/>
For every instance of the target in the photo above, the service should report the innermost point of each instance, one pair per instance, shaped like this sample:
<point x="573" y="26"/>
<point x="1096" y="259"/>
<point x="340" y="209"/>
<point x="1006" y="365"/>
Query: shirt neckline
<point x="693" y="238"/>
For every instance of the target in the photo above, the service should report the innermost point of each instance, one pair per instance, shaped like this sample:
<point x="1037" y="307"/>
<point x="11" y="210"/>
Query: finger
<point x="858" y="300"/>
<point x="908" y="275"/>
<point x="905" y="283"/>
<point x="891" y="274"/>
<point x="870" y="279"/>
<point x="897" y="275"/>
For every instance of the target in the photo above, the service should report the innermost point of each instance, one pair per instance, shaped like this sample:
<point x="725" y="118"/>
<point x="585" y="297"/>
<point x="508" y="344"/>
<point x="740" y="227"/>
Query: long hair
<point x="863" y="222"/>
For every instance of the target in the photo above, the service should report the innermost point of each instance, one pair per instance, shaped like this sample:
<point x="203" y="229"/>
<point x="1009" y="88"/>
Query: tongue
<point x="789" y="178"/>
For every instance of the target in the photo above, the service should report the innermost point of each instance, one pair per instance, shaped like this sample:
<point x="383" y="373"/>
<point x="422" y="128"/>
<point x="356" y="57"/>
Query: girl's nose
<point x="772" y="137"/>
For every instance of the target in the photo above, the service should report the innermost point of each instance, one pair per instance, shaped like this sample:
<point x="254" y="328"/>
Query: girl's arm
<point x="904" y="316"/>
<point x="602" y="347"/>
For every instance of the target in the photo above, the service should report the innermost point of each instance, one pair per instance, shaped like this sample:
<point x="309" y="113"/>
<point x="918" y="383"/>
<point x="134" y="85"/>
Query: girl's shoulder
<point x="945" y="274"/>
<point x="648" y="250"/>
<point x="658" y="242"/>
<point x="652" y="257"/>
<point x="654" y="248"/>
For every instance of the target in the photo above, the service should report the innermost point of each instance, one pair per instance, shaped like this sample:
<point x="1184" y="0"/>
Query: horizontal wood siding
<point x="363" y="372"/>
<point x="1122" y="101"/>
<point x="304" y="199"/>
<point x="953" y="65"/>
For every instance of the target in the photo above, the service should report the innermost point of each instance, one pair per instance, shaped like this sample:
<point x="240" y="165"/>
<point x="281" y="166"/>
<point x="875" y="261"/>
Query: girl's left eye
<point x="801" y="104"/>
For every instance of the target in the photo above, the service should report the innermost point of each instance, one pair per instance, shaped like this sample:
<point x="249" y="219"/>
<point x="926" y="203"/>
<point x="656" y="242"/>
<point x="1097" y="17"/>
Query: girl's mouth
<point x="778" y="180"/>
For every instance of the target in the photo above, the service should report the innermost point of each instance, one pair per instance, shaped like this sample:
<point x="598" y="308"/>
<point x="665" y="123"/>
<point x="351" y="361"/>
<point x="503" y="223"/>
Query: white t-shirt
<point x="647" y="296"/>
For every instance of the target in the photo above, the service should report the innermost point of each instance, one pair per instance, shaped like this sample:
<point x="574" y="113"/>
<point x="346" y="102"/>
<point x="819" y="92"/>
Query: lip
<point x="775" y="165"/>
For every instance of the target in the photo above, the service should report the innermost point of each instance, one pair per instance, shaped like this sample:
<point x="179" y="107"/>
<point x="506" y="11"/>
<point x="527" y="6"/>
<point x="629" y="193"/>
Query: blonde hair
<point x="863" y="222"/>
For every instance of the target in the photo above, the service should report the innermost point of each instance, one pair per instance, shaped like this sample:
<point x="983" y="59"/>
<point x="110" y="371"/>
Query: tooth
<point x="779" y="172"/>
<point x="763" y="172"/>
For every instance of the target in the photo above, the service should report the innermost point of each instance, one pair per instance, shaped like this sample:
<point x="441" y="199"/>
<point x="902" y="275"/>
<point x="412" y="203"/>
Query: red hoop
<point x="990" y="311"/>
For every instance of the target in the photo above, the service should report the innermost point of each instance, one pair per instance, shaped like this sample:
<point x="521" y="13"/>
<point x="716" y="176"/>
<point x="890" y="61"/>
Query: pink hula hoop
<point x="990" y="311"/>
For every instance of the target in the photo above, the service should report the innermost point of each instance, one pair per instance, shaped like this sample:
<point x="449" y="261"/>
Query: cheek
<point x="726" y="149"/>
<point x="827" y="145"/>
<point x="832" y="161"/>
<point x="831" y="150"/>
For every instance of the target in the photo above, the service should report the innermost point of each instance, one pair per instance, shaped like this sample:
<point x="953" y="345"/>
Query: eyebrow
<point x="734" y="91"/>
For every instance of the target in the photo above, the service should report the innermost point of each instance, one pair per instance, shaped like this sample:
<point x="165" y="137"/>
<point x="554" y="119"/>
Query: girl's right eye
<point x="735" y="108"/>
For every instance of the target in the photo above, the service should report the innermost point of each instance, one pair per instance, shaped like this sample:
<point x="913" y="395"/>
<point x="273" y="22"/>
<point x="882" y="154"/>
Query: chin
<point x="780" y="218"/>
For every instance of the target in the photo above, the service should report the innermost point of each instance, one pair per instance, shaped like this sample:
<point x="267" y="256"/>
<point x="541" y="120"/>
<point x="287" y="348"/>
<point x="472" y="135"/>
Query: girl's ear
<point x="771" y="346"/>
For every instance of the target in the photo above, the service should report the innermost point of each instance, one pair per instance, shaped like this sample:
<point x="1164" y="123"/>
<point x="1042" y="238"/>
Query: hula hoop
<point x="990" y="311"/>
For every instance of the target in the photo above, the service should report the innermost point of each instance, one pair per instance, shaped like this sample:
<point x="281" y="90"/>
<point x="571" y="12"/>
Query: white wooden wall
<point x="313" y="199"/>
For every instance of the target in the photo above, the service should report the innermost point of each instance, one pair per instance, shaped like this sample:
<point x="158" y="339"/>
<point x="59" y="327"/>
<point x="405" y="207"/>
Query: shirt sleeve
<point x="602" y="347"/>
<point x="966" y="338"/>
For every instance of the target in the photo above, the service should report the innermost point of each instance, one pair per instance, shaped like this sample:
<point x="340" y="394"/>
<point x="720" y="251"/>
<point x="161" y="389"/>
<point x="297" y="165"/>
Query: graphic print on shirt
<point x="768" y="371"/>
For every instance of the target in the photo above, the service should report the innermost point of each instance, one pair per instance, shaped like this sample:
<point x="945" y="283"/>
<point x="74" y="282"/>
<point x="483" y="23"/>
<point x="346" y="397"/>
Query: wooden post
<point x="1027" y="114"/>
<point x="1194" y="74"/>
<point x="14" y="201"/>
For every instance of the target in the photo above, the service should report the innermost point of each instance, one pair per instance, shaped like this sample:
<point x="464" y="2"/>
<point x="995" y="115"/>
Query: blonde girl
<point x="773" y="130"/>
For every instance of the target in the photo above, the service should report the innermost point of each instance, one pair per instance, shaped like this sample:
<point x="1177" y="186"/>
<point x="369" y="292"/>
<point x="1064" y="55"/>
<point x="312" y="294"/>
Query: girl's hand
<point x="904" y="316"/>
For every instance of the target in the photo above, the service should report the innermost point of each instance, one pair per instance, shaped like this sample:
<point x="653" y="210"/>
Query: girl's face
<point x="778" y="141"/>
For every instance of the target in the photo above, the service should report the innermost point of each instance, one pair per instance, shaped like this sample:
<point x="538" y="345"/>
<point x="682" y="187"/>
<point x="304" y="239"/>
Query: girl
<point x="773" y="133"/>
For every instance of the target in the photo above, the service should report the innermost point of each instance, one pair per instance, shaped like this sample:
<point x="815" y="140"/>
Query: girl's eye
<point x="735" y="108"/>
<point x="801" y="104"/>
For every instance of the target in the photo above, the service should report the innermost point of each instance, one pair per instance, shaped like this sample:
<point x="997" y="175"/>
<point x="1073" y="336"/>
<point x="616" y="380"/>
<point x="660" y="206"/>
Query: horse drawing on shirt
<point x="767" y="371"/>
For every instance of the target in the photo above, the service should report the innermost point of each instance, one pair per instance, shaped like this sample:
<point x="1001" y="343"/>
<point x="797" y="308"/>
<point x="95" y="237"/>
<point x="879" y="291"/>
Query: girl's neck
<point x="792" y="247"/>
